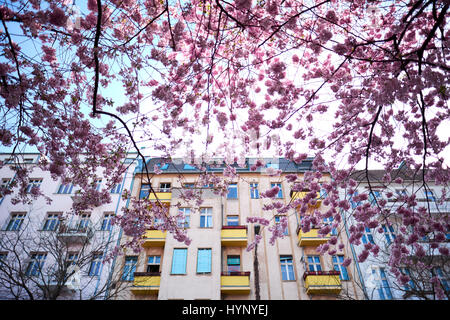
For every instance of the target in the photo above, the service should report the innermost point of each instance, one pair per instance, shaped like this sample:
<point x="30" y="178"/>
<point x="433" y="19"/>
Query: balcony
<point x="154" y="238"/>
<point x="146" y="283"/>
<point x="322" y="282"/>
<point x="163" y="195"/>
<point x="235" y="282"/>
<point x="234" y="236"/>
<point x="310" y="238"/>
<point x="316" y="202"/>
<point x="76" y="235"/>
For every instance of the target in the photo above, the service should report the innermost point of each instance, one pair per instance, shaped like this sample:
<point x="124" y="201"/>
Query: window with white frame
<point x="254" y="193"/>
<point x="106" y="221"/>
<point x="95" y="266"/>
<point x="153" y="263"/>
<point x="116" y="188"/>
<point x="33" y="184"/>
<point x="98" y="184"/>
<point x="184" y="217"/>
<point x="280" y="191"/>
<point x="16" y="221"/>
<point x="72" y="259"/>
<point x="382" y="284"/>
<point x="443" y="278"/>
<point x="429" y="195"/>
<point x="232" y="191"/>
<point x="65" y="188"/>
<point x="164" y="187"/>
<point x="281" y="219"/>
<point x="287" y="268"/>
<point x="206" y="218"/>
<point x="84" y="221"/>
<point x="314" y="263"/>
<point x="51" y="221"/>
<point x="145" y="190"/>
<point x="367" y="236"/>
<point x="389" y="233"/>
<point x="338" y="262"/>
<point x="129" y="268"/>
<point x="36" y="264"/>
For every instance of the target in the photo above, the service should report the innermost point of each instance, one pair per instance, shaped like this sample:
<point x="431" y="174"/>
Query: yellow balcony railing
<point x="146" y="283"/>
<point x="302" y="194"/>
<point x="163" y="196"/>
<point x="234" y="236"/>
<point x="322" y="282"/>
<point x="310" y="238"/>
<point x="235" y="282"/>
<point x="154" y="238"/>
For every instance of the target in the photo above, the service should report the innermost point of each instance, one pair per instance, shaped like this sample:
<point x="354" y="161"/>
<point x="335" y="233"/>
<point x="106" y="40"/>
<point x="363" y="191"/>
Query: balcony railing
<point x="146" y="283"/>
<point x="78" y="235"/>
<point x="322" y="282"/>
<point x="234" y="236"/>
<point x="310" y="238"/>
<point x="163" y="195"/>
<point x="154" y="238"/>
<point x="235" y="282"/>
<point x="316" y="203"/>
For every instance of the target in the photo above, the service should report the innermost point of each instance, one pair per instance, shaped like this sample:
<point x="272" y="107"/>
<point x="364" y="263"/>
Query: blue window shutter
<point x="179" y="261"/>
<point x="204" y="261"/>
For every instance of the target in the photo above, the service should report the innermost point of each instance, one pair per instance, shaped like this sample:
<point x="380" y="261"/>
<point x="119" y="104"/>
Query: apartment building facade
<point x="217" y="265"/>
<point x="378" y="279"/>
<point x="47" y="253"/>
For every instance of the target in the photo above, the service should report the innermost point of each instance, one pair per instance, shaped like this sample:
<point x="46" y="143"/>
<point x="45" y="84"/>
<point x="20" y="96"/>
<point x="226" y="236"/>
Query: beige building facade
<point x="217" y="265"/>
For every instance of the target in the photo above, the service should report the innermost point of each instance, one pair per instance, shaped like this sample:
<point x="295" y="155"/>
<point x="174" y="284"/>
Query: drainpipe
<point x="136" y="170"/>
<point x="256" y="266"/>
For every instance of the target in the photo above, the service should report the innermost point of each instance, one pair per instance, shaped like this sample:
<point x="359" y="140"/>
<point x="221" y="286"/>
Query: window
<point x="329" y="221"/>
<point x="4" y="185"/>
<point x="145" y="190"/>
<point x="233" y="263"/>
<point x="28" y="160"/>
<point x="163" y="167"/>
<point x="116" y="188"/>
<point x="3" y="256"/>
<point x="35" y="265"/>
<point x="367" y="236"/>
<point x="65" y="188"/>
<point x="106" y="222"/>
<point x="84" y="222"/>
<point x="352" y="202"/>
<point x="282" y="219"/>
<point x="164" y="187"/>
<point x="206" y="218"/>
<point x="442" y="279"/>
<point x="254" y="193"/>
<point x="429" y="195"/>
<point x="72" y="259"/>
<point x="374" y="196"/>
<point x="280" y="192"/>
<point x="16" y="222"/>
<point x="189" y="185"/>
<point x="384" y="291"/>
<point x="410" y="285"/>
<point x="232" y="220"/>
<point x="388" y="233"/>
<point x="33" y="184"/>
<point x="273" y="165"/>
<point x="204" y="261"/>
<point x="188" y="167"/>
<point x="179" y="260"/>
<point x="153" y="263"/>
<point x="287" y="268"/>
<point x="51" y="222"/>
<point x="232" y="191"/>
<point x="98" y="184"/>
<point x="184" y="217"/>
<point x="129" y="268"/>
<point x="401" y="192"/>
<point x="314" y="263"/>
<point x="337" y="265"/>
<point x="94" y="268"/>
